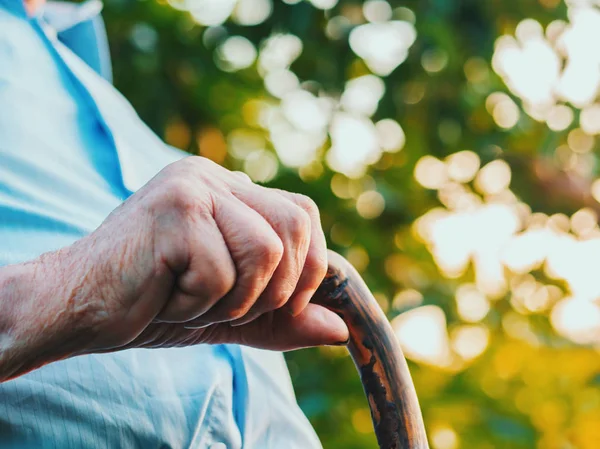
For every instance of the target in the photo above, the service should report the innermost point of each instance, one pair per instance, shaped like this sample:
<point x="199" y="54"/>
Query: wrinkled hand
<point x="202" y="255"/>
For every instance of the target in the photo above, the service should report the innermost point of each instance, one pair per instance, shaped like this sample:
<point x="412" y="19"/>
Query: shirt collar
<point x="79" y="27"/>
<point x="63" y="16"/>
<point x="14" y="6"/>
<point x="60" y="15"/>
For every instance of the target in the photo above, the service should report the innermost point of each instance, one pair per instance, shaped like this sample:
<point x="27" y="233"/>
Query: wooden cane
<point x="377" y="355"/>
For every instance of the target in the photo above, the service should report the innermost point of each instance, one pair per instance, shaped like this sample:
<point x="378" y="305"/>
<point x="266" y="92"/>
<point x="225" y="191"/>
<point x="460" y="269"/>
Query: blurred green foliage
<point x="522" y="392"/>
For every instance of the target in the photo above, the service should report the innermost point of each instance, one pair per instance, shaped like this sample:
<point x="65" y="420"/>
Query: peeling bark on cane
<point x="377" y="355"/>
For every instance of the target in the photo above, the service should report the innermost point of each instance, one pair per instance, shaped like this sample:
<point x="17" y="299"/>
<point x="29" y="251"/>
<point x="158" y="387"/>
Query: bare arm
<point x="35" y="313"/>
<point x="198" y="255"/>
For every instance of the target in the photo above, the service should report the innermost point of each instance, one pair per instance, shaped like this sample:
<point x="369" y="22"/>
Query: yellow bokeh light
<point x="261" y="166"/>
<point x="358" y="257"/>
<point x="579" y="141"/>
<point x="493" y="99"/>
<point x="540" y="300"/>
<point x="470" y="341"/>
<point x="589" y="119"/>
<point x="596" y="190"/>
<point x="407" y="299"/>
<point x="396" y="266"/>
<point x="506" y="113"/>
<point x="212" y="145"/>
<point x="444" y="437"/>
<point x="370" y="204"/>
<point x="241" y="142"/>
<point x="430" y="172"/>
<point x="340" y="186"/>
<point x="472" y="304"/>
<point x="456" y="196"/>
<point x="361" y="420"/>
<point x="312" y="171"/>
<point x="559" y="117"/>
<point x="559" y="223"/>
<point x="494" y="177"/>
<point x="583" y="221"/>
<point x="463" y="166"/>
<point x="178" y="134"/>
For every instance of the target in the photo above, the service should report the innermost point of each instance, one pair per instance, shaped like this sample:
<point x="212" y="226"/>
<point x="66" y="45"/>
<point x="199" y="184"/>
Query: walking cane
<point x="377" y="355"/>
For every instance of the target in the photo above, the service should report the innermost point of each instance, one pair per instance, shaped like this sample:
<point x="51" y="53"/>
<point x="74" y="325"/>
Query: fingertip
<point x="323" y="327"/>
<point x="298" y="303"/>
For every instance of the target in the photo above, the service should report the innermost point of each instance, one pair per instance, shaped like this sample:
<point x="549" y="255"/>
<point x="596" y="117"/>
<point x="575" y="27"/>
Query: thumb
<point x="279" y="331"/>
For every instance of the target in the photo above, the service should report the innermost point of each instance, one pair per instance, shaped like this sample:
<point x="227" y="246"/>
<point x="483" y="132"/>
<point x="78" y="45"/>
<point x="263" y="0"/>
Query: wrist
<point x="37" y="325"/>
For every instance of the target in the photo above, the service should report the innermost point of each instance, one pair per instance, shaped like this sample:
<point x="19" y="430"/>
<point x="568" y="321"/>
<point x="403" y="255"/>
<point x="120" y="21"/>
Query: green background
<point x="520" y="393"/>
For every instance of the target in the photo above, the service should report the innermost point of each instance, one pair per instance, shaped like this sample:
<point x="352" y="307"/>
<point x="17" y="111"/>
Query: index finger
<point x="315" y="265"/>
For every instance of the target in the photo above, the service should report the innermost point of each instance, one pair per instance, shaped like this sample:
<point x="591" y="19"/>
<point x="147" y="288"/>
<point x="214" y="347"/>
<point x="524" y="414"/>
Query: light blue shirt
<point x="71" y="150"/>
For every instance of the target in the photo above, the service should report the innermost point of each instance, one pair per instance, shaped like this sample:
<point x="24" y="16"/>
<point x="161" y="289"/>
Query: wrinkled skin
<point x="199" y="255"/>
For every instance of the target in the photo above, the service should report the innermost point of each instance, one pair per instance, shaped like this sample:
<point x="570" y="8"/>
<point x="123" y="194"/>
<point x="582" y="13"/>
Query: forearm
<point x="37" y="324"/>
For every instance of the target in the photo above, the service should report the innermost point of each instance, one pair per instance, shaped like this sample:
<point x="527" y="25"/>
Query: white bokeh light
<point x="235" y="53"/>
<point x="252" y="12"/>
<point x="383" y="46"/>
<point x="305" y="111"/>
<point x="279" y="51"/>
<point x="211" y="12"/>
<point x="577" y="320"/>
<point x="362" y="95"/>
<point x="560" y="65"/>
<point x="377" y="10"/>
<point x="423" y="336"/>
<point x="280" y="82"/>
<point x="355" y="144"/>
<point x="391" y="135"/>
<point x="324" y="4"/>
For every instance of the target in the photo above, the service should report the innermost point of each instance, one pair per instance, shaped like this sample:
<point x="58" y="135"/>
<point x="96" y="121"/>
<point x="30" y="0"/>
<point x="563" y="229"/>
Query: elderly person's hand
<point x="199" y="255"/>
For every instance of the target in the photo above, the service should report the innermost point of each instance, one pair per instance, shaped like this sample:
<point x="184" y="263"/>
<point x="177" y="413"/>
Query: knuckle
<point x="278" y="301"/>
<point x="179" y="194"/>
<point x="223" y="282"/>
<point x="241" y="176"/>
<point x="307" y="204"/>
<point x="235" y="313"/>
<point x="269" y="251"/>
<point x="316" y="260"/>
<point x="298" y="223"/>
<point x="200" y="164"/>
<point x="316" y="265"/>
<point x="197" y="160"/>
<point x="184" y="310"/>
<point x="175" y="191"/>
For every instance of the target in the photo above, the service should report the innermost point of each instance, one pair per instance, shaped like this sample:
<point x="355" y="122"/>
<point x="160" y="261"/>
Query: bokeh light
<point x="461" y="180"/>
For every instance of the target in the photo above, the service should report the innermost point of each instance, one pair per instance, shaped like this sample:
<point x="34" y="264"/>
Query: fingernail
<point x="299" y="303"/>
<point x="343" y="343"/>
<point x="290" y="310"/>
<point x="195" y="326"/>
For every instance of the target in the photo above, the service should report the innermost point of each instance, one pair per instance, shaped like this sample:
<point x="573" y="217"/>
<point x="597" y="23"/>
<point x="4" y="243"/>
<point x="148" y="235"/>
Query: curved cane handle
<point x="377" y="355"/>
